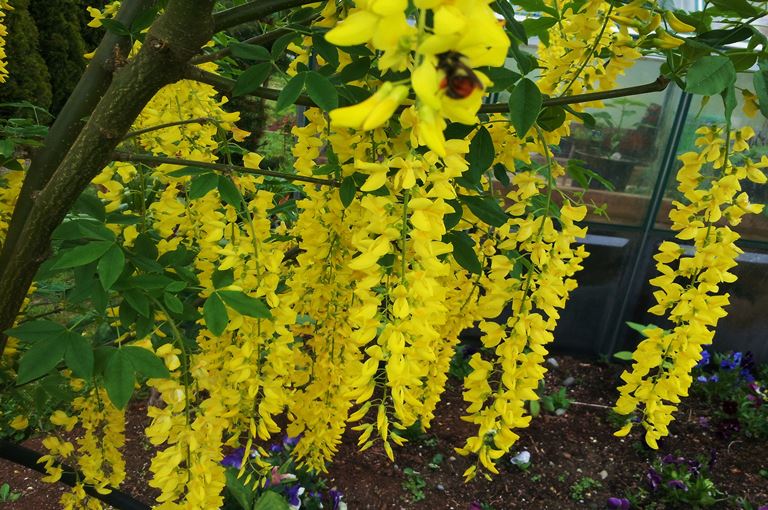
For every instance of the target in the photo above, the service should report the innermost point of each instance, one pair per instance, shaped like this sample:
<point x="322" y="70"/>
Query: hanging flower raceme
<point x="689" y="284"/>
<point x="4" y="7"/>
<point x="441" y="58"/>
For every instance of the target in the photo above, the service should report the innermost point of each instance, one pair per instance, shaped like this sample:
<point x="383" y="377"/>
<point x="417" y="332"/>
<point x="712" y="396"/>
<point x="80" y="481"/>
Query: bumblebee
<point x="460" y="80"/>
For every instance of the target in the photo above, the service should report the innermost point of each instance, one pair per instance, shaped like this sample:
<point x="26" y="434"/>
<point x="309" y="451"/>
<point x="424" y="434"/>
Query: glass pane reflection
<point x="625" y="147"/>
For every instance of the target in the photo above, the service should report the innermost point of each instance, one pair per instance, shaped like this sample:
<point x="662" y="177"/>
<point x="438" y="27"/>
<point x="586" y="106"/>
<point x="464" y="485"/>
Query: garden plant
<point x="149" y="250"/>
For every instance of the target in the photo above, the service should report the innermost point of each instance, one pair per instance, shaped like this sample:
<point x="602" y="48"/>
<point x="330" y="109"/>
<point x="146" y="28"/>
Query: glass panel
<point x="753" y="226"/>
<point x="625" y="147"/>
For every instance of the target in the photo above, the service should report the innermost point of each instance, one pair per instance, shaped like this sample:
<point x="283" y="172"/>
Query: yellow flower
<point x="374" y="111"/>
<point x="19" y="422"/>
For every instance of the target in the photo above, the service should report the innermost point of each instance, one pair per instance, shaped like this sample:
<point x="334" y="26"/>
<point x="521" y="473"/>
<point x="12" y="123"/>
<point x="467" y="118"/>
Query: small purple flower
<point x="714" y="378"/>
<point x="694" y="466"/>
<point x="705" y="359"/>
<point x="335" y="496"/>
<point x="702" y="378"/>
<point x="618" y="503"/>
<point x="746" y="375"/>
<point x="290" y="442"/>
<point x="275" y="448"/>
<point x="234" y="459"/>
<point x="475" y="506"/>
<point x="292" y="493"/>
<point x="654" y="479"/>
<point x="669" y="459"/>
<point x="677" y="484"/>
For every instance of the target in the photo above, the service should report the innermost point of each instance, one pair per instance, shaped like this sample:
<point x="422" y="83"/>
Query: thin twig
<point x="225" y="85"/>
<point x="250" y="11"/>
<point x="258" y="40"/>
<point x="139" y="132"/>
<point x="587" y="404"/>
<point x="159" y="160"/>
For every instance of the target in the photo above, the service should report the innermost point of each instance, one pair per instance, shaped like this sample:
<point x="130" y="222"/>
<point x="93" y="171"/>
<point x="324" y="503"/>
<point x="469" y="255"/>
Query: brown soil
<point x="564" y="450"/>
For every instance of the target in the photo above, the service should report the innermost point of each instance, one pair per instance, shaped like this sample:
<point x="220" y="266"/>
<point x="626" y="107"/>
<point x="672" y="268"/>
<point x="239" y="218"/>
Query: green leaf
<point x="245" y="304"/>
<point x="215" y="314"/>
<point x="114" y="26"/>
<point x="271" y="500"/>
<point x="524" y="106"/>
<point x="355" y="70"/>
<point x="290" y="92"/>
<point x="242" y="494"/>
<point x="229" y="192"/>
<point x="328" y="51"/>
<point x="223" y="278"/>
<point x="641" y="328"/>
<point x="144" y="20"/>
<point x="137" y="300"/>
<point x="251" y="79"/>
<point x="175" y="286"/>
<point x="740" y="7"/>
<point x="202" y="184"/>
<point x="188" y="170"/>
<point x="452" y="219"/>
<point x="145" y="362"/>
<point x="81" y="255"/>
<point x="710" y="75"/>
<point x="486" y="209"/>
<point x="760" y="82"/>
<point x="723" y="36"/>
<point x="551" y="118"/>
<point x="34" y="331"/>
<point x="250" y="51"/>
<point x="623" y="355"/>
<point x="79" y="355"/>
<point x="535" y="407"/>
<point x="119" y="378"/>
<point x="538" y="27"/>
<point x="279" y="46"/>
<point x="501" y="174"/>
<point x="41" y="358"/>
<point x="111" y="266"/>
<point x="173" y="303"/>
<point x="501" y="77"/>
<point x="347" y="191"/>
<point x="729" y="102"/>
<point x="322" y="92"/>
<point x="480" y="156"/>
<point x="82" y="229"/>
<point x="464" y="251"/>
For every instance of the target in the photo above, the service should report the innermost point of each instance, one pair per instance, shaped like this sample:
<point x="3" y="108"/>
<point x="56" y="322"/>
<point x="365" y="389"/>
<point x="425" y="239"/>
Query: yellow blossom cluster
<point x="4" y="6"/>
<point x="439" y="57"/>
<point x="96" y="452"/>
<point x="689" y="284"/>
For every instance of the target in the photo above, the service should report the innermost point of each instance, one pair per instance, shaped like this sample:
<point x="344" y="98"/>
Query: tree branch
<point x="172" y="41"/>
<point x="234" y="16"/>
<point x="31" y="460"/>
<point x="159" y="160"/>
<point x="225" y="85"/>
<point x="656" y="86"/>
<point x="70" y="121"/>
<point x="259" y="40"/>
<point x="157" y="127"/>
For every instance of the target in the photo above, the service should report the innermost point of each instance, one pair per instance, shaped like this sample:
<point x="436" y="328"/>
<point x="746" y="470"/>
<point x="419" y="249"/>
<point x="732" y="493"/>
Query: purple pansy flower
<point x="654" y="479"/>
<point x="705" y="359"/>
<point x="335" y="496"/>
<point x="234" y="459"/>
<point x="292" y="493"/>
<point x="677" y="484"/>
<point x="618" y="503"/>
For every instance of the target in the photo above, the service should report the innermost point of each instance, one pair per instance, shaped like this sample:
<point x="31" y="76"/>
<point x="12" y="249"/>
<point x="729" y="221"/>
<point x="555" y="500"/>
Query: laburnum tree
<point x="331" y="294"/>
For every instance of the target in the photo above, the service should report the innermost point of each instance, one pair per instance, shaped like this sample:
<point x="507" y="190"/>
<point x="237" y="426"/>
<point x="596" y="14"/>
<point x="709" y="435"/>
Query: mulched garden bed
<point x="575" y="461"/>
